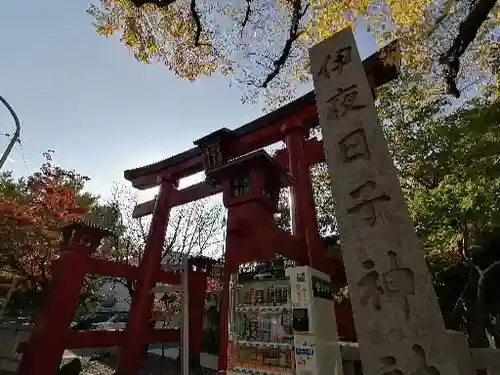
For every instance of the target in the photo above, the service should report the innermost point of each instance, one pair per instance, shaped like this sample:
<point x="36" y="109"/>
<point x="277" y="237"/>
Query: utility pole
<point x="16" y="135"/>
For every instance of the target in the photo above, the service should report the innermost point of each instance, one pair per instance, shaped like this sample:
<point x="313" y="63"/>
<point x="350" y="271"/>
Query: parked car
<point x="117" y="322"/>
<point x="103" y="320"/>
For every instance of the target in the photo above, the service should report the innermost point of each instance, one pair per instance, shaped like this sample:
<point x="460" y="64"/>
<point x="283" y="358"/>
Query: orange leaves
<point x="12" y="210"/>
<point x="30" y="218"/>
<point x="213" y="285"/>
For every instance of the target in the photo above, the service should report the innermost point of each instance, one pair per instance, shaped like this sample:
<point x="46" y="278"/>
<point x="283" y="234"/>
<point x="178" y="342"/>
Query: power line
<point x="23" y="152"/>
<point x="23" y="156"/>
<point x="17" y="133"/>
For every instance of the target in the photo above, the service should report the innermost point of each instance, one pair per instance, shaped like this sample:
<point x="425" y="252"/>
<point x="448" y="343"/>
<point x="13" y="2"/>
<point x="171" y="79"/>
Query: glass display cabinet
<point x="283" y="324"/>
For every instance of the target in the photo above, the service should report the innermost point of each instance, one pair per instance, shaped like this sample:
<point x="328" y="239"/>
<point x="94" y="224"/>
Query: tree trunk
<point x="480" y="316"/>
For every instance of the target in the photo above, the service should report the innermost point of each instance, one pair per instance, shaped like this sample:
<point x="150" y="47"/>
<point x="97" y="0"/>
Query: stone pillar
<point x="460" y="346"/>
<point x="397" y="317"/>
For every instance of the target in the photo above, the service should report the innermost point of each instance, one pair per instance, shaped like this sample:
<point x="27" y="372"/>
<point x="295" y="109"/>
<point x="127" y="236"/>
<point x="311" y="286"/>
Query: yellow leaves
<point x="131" y="34"/>
<point x="153" y="49"/>
<point x="330" y="17"/>
<point x="408" y="13"/>
<point x="166" y="35"/>
<point x="126" y="4"/>
<point x="106" y="30"/>
<point x="391" y="55"/>
<point x="402" y="19"/>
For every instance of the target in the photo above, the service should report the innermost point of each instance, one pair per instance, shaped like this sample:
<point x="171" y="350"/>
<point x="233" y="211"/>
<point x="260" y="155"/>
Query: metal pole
<point x="17" y="133"/>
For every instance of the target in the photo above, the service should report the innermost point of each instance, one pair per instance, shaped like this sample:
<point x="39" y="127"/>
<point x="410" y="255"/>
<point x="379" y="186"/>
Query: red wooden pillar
<point x="197" y="286"/>
<point x="294" y="148"/>
<point x="224" y="318"/>
<point x="303" y="209"/>
<point x="43" y="352"/>
<point x="132" y="349"/>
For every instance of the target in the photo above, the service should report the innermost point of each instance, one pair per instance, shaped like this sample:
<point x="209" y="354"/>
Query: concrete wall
<point x="11" y="335"/>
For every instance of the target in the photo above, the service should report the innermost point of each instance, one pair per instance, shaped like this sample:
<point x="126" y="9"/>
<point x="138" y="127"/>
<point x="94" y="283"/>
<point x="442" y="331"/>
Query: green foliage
<point x="325" y="205"/>
<point x="447" y="158"/>
<point x="448" y="162"/>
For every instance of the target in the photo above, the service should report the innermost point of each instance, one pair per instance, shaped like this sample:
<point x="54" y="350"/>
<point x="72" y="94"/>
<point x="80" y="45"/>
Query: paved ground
<point x="153" y="365"/>
<point x="157" y="362"/>
<point x="172" y="349"/>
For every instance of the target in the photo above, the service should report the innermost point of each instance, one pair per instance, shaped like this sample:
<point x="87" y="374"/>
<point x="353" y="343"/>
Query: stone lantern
<point x="82" y="235"/>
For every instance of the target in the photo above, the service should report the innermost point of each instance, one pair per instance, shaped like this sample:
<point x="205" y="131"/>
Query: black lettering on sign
<point x="334" y="63"/>
<point x="212" y="156"/>
<point x="343" y="102"/>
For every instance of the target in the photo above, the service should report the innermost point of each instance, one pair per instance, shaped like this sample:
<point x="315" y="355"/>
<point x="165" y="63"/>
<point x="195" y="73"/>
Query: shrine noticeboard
<point x="397" y="317"/>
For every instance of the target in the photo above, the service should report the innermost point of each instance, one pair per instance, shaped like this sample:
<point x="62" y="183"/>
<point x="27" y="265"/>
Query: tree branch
<point x="293" y="35"/>
<point x="158" y="3"/>
<point x="466" y="34"/>
<point x="481" y="313"/>
<point x="247" y="15"/>
<point x="166" y="3"/>
<point x="197" y="22"/>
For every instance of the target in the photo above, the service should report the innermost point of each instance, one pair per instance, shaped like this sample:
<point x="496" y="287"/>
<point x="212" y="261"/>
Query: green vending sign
<point x="322" y="288"/>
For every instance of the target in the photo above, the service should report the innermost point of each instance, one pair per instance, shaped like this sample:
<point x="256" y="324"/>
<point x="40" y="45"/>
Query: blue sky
<point x="88" y="99"/>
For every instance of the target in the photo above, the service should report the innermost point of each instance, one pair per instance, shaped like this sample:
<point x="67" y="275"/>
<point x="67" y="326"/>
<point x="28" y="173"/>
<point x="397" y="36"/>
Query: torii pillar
<point x="44" y="350"/>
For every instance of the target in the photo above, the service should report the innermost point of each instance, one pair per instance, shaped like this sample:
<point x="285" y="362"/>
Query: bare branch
<point x="468" y="30"/>
<point x="165" y="3"/>
<point x="293" y="35"/>
<point x="172" y="240"/>
<point x="247" y="15"/>
<point x="158" y="3"/>
<point x="197" y="22"/>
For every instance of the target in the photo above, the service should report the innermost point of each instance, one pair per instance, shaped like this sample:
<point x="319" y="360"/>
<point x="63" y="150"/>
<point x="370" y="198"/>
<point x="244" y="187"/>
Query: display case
<point x="260" y="333"/>
<point x="284" y="324"/>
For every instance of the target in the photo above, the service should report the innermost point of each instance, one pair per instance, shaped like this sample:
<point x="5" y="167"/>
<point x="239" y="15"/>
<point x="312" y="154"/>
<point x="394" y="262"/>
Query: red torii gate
<point x="52" y="333"/>
<point x="290" y="123"/>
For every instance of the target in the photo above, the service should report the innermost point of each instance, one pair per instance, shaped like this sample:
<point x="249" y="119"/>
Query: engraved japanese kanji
<point x="343" y="101"/>
<point x="366" y="201"/>
<point x="354" y="146"/>
<point x="334" y="63"/>
<point x="399" y="283"/>
<point x="420" y="365"/>
<point x="370" y="282"/>
<point x="396" y="283"/>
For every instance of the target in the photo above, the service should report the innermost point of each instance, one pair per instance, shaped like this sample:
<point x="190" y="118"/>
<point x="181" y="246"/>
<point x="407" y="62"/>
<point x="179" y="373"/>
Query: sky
<point x="88" y="99"/>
